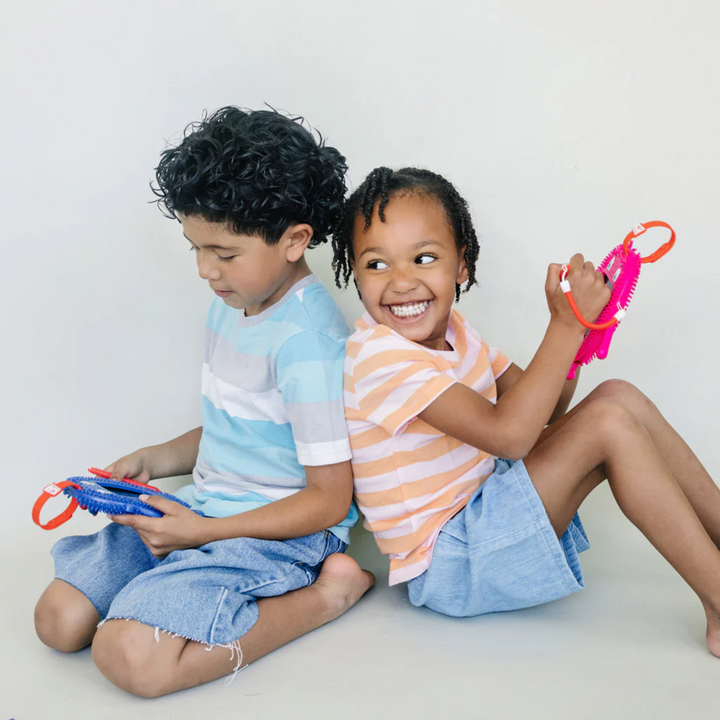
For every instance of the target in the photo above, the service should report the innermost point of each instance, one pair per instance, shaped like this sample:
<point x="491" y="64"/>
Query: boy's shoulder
<point x="307" y="310"/>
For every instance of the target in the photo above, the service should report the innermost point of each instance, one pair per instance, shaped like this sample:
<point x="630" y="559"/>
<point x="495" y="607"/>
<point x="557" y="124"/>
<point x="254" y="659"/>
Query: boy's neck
<point x="298" y="271"/>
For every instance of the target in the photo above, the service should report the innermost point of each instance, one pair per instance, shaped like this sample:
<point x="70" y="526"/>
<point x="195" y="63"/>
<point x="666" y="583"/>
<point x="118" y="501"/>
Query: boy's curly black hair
<point x="257" y="171"/>
<point x="382" y="184"/>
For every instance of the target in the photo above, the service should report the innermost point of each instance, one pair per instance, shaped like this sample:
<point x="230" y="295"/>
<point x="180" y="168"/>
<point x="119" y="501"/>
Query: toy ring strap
<point x="51" y="491"/>
<point x="640" y="229"/>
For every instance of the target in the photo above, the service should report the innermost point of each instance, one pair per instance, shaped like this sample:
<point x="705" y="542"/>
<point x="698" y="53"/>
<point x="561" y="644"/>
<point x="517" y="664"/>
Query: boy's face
<point x="244" y="270"/>
<point x="406" y="269"/>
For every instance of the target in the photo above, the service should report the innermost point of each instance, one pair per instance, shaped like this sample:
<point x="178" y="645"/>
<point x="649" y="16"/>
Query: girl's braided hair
<point x="382" y="184"/>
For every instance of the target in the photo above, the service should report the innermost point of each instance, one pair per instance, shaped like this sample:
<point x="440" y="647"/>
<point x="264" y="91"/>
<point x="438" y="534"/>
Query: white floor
<point x="631" y="645"/>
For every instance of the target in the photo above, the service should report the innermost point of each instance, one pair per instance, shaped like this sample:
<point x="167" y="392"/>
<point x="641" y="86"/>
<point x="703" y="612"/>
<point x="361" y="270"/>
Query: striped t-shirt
<point x="410" y="478"/>
<point x="272" y="402"/>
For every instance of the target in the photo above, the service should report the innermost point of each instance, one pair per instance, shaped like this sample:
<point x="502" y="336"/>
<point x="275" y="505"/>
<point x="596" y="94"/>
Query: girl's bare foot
<point x="712" y="636"/>
<point x="342" y="583"/>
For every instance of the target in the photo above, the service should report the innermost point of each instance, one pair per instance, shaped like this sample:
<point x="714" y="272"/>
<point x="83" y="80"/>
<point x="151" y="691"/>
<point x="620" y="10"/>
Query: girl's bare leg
<point x="131" y="657"/>
<point x="603" y="439"/>
<point x="681" y="461"/>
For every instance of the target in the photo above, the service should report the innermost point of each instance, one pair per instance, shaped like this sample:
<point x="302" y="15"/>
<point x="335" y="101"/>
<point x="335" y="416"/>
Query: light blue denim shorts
<point x="207" y="594"/>
<point x="500" y="552"/>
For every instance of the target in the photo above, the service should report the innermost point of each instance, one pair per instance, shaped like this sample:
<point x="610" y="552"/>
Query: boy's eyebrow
<point x="416" y="246"/>
<point x="212" y="247"/>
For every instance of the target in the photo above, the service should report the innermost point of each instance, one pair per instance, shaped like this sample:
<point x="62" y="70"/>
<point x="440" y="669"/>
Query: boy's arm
<point x="511" y="427"/>
<point x="324" y="502"/>
<point x="174" y="457"/>
<point x="514" y="373"/>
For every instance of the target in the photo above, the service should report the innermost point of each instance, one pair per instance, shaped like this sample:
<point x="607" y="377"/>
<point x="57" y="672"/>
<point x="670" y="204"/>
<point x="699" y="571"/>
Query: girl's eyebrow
<point x="416" y="246"/>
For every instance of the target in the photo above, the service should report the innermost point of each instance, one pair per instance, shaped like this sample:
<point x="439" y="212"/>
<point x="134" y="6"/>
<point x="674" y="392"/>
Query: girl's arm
<point x="511" y="427"/>
<point x="514" y="373"/>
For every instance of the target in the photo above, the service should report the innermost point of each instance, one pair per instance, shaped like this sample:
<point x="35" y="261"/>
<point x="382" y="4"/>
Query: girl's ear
<point x="463" y="275"/>
<point x="297" y="238"/>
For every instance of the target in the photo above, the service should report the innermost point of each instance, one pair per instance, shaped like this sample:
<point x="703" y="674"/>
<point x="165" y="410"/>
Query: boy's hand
<point x="178" y="529"/>
<point x="133" y="466"/>
<point x="588" y="288"/>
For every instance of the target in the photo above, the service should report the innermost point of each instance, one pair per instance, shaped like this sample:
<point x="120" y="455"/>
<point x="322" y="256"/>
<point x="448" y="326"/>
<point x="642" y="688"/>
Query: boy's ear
<point x="297" y="238"/>
<point x="463" y="275"/>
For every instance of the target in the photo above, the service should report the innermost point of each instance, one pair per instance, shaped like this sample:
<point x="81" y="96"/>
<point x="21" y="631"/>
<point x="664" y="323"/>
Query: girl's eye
<point x="377" y="265"/>
<point x="225" y="259"/>
<point x="424" y="259"/>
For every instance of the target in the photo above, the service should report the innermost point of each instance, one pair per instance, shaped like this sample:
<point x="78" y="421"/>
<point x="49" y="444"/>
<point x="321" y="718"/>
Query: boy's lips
<point x="222" y="293"/>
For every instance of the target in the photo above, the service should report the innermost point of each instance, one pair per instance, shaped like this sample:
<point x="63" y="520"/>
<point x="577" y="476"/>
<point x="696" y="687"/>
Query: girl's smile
<point x="407" y="267"/>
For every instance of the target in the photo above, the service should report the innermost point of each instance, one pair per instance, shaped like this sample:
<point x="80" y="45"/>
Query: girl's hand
<point x="588" y="288"/>
<point x="133" y="466"/>
<point x="178" y="529"/>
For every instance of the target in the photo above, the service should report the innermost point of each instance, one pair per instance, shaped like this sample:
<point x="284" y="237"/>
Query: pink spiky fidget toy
<point x="622" y="271"/>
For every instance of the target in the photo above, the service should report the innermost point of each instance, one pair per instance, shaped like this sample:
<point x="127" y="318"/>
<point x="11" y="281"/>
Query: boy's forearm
<point x="174" y="457"/>
<point x="530" y="403"/>
<point x="307" y="511"/>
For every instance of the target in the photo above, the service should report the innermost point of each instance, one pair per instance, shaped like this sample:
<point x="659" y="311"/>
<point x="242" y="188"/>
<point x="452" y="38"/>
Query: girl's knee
<point x="126" y="653"/>
<point x="606" y="417"/>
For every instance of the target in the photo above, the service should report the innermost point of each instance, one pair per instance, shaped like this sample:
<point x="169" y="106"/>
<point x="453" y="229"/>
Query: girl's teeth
<point x="409" y="310"/>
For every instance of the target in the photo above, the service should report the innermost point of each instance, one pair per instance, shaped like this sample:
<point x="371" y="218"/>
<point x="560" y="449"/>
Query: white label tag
<point x="52" y="489"/>
<point x="638" y="229"/>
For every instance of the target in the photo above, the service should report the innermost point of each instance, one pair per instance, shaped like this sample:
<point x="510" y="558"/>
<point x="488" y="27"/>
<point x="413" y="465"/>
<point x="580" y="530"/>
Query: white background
<point x="563" y="123"/>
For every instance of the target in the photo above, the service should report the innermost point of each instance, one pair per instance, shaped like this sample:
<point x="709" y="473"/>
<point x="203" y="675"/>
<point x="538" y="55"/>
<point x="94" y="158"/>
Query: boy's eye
<point x="377" y="265"/>
<point x="225" y="259"/>
<point x="424" y="259"/>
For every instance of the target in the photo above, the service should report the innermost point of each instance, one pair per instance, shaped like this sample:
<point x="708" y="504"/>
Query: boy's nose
<point x="206" y="270"/>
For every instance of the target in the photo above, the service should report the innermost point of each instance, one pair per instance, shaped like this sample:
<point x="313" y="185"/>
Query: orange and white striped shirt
<point x="410" y="478"/>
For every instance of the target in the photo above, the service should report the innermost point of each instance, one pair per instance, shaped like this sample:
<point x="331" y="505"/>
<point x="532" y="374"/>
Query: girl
<point x="432" y="410"/>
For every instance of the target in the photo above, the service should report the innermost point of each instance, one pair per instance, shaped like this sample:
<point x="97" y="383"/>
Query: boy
<point x="271" y="470"/>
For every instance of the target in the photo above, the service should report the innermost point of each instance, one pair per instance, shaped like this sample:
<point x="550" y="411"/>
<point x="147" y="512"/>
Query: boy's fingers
<point x="139" y="522"/>
<point x="553" y="276"/>
<point x="165" y="506"/>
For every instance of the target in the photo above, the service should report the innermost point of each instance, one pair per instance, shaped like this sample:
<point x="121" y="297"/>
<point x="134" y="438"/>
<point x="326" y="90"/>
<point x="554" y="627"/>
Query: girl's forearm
<point x="530" y="403"/>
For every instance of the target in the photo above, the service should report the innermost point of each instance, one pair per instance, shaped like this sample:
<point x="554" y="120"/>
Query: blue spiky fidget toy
<point x="100" y="494"/>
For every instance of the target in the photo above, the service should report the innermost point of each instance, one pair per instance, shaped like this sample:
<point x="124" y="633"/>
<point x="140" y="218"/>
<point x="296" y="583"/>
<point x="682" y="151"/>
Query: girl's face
<point x="406" y="268"/>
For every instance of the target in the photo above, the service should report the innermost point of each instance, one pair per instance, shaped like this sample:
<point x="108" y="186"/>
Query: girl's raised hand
<point x="588" y="288"/>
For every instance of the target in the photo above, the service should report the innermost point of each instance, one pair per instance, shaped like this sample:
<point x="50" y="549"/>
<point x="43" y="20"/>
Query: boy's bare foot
<point x="342" y="583"/>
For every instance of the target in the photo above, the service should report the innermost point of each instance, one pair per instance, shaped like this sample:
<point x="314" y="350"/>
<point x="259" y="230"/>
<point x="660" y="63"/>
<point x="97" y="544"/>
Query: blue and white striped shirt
<point x="272" y="402"/>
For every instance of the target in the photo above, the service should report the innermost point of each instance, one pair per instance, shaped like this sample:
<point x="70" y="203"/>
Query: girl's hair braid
<point x="382" y="184"/>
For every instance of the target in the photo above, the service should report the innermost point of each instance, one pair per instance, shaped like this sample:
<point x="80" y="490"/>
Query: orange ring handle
<point x="640" y="229"/>
<point x="583" y="321"/>
<point x="51" y="491"/>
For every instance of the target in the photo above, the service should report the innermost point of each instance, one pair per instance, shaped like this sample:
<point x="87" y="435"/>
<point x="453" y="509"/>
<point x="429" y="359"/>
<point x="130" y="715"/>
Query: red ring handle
<point x="51" y="491"/>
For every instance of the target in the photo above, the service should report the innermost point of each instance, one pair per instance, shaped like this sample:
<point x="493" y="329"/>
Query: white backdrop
<point x="563" y="123"/>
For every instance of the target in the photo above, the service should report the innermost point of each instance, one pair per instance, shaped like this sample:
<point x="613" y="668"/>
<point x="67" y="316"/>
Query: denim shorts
<point x="500" y="552"/>
<point x="207" y="594"/>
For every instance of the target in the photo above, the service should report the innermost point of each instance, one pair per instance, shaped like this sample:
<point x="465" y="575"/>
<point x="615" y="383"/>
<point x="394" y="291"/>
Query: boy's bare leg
<point x="64" y="618"/>
<point x="131" y="657"/>
<point x="605" y="440"/>
<point x="681" y="461"/>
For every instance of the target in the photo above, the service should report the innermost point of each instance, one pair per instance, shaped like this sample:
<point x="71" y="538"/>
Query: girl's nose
<point x="402" y="281"/>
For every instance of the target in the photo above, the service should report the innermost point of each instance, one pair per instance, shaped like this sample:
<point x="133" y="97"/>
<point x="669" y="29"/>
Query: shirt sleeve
<point x="499" y="362"/>
<point x="395" y="380"/>
<point x="310" y="377"/>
